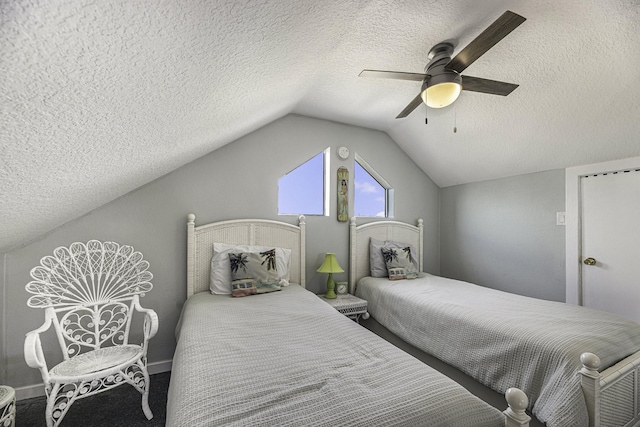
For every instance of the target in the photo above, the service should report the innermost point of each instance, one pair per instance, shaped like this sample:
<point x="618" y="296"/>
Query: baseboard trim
<point x="160" y="367"/>
<point x="37" y="390"/>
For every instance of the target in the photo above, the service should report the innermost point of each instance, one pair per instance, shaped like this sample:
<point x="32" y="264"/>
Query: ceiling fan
<point x="442" y="82"/>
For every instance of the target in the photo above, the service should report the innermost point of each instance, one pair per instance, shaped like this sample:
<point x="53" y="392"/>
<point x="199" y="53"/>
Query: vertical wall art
<point x="343" y="194"/>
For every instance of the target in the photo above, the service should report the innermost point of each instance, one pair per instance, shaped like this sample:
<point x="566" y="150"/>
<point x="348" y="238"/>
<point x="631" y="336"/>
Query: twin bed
<point x="504" y="340"/>
<point x="288" y="358"/>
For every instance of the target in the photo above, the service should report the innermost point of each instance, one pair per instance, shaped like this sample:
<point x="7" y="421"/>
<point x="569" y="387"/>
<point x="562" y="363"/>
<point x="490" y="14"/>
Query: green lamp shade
<point x="330" y="265"/>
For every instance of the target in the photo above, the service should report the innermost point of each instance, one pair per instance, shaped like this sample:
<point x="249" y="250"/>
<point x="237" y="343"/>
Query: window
<point x="373" y="196"/>
<point x="302" y="191"/>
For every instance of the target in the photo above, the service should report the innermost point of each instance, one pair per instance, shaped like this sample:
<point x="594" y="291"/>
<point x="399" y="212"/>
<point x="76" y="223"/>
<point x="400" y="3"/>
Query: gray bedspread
<point x="289" y="359"/>
<point x="504" y="340"/>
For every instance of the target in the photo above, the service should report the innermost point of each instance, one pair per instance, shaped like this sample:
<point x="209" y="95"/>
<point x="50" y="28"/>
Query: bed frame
<point x="260" y="232"/>
<point x="612" y="396"/>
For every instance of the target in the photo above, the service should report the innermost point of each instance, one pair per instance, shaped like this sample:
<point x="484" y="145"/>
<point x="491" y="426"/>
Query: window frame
<point x="325" y="184"/>
<point x="388" y="189"/>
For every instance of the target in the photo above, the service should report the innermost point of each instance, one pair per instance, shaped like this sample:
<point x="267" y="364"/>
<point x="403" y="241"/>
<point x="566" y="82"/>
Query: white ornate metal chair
<point x="89" y="293"/>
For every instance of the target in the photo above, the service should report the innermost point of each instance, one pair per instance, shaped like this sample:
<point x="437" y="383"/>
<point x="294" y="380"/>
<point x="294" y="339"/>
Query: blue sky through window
<point x="301" y="191"/>
<point x="369" y="198"/>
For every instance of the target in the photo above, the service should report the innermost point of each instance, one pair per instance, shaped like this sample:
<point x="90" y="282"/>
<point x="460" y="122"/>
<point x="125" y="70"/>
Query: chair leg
<point x="55" y="411"/>
<point x="51" y="400"/>
<point x="145" y="396"/>
<point x="60" y="398"/>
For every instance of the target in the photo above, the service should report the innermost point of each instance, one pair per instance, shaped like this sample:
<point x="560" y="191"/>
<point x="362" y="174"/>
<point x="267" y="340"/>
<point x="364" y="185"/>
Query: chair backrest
<point x="88" y="290"/>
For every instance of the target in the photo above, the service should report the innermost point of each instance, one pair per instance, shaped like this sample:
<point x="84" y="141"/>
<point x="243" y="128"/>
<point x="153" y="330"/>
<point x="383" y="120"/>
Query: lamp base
<point x="330" y="295"/>
<point x="331" y="285"/>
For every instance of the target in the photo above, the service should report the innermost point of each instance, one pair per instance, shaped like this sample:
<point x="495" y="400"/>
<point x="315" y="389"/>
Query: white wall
<point x="503" y="234"/>
<point x="238" y="180"/>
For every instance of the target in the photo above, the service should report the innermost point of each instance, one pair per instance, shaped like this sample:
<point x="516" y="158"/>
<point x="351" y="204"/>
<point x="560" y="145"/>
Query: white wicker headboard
<point x="259" y="232"/>
<point x="359" y="236"/>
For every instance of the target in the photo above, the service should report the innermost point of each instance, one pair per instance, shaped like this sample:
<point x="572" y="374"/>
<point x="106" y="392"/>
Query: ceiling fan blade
<point x="495" y="32"/>
<point x="399" y="75"/>
<point x="493" y="87"/>
<point x="409" y="108"/>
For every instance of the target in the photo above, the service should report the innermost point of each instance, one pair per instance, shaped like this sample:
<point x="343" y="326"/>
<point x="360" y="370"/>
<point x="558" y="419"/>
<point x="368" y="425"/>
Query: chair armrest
<point x="150" y="321"/>
<point x="33" y="354"/>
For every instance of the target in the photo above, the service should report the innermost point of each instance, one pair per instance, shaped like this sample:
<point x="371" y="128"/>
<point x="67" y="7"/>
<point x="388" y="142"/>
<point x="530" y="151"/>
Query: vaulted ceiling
<point x="101" y="97"/>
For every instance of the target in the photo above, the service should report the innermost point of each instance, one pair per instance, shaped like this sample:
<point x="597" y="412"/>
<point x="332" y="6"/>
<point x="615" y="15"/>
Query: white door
<point x="610" y="229"/>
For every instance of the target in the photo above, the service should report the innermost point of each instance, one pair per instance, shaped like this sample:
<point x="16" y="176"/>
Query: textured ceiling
<point x="101" y="97"/>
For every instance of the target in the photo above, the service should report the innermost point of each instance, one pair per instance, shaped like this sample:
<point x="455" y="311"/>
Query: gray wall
<point x="503" y="234"/>
<point x="238" y="180"/>
<point x="3" y="325"/>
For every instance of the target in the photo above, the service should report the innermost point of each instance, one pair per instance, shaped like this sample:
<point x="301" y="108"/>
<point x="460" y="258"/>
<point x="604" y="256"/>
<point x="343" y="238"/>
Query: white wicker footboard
<point x="613" y="395"/>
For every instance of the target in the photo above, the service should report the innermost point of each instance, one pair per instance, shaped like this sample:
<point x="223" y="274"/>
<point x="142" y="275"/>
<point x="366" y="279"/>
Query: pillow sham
<point x="253" y="273"/>
<point x="399" y="262"/>
<point x="220" y="273"/>
<point x="377" y="264"/>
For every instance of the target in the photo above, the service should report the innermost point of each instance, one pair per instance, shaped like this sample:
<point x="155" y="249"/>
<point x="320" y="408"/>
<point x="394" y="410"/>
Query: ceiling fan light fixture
<point x="441" y="95"/>
<point x="442" y="90"/>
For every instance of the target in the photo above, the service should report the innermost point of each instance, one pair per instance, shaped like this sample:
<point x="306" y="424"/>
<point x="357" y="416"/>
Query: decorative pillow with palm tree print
<point x="399" y="262"/>
<point x="376" y="260"/>
<point x="253" y="273"/>
<point x="220" y="273"/>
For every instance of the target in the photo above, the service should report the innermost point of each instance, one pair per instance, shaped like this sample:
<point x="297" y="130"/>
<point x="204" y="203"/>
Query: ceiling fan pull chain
<point x="455" y="119"/>
<point x="426" y="109"/>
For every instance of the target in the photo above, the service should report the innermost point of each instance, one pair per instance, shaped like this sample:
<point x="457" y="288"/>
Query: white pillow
<point x="220" y="275"/>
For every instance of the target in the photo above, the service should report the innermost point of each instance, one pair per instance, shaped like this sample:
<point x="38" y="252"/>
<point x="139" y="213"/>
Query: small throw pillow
<point x="253" y="273"/>
<point x="399" y="262"/>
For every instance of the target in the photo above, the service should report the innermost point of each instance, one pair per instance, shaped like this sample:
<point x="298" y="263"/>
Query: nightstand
<point x="349" y="305"/>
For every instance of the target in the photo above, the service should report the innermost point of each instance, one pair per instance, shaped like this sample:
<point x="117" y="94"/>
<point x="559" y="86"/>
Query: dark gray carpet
<point x="119" y="407"/>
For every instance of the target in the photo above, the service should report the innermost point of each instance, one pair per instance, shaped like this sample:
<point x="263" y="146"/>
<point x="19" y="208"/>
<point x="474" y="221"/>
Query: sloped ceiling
<point x="101" y="97"/>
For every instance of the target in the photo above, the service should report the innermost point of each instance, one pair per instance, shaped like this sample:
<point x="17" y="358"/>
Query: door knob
<point x="590" y="261"/>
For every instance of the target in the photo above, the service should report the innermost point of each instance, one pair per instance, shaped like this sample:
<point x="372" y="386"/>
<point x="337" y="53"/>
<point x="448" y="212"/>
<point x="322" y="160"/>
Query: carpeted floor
<point x="119" y="407"/>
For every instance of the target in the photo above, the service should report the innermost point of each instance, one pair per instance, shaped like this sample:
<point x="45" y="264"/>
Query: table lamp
<point x="330" y="265"/>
